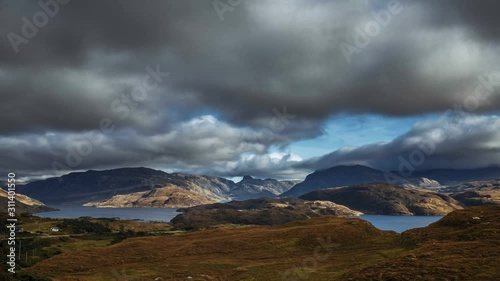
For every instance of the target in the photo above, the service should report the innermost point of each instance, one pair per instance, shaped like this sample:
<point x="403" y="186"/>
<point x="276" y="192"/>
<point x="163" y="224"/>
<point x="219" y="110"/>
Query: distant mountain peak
<point x="347" y="167"/>
<point x="337" y="176"/>
<point x="247" y="178"/>
<point x="346" y="175"/>
<point x="102" y="186"/>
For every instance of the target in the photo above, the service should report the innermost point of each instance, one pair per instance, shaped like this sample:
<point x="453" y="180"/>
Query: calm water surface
<point x="396" y="223"/>
<point x="400" y="223"/>
<point x="145" y="214"/>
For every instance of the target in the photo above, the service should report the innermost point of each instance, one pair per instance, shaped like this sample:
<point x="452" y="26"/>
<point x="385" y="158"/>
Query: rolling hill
<point x="24" y="204"/>
<point x="386" y="199"/>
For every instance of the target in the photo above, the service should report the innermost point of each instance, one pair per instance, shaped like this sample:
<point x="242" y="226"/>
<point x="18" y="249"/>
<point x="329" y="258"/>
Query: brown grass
<point x="458" y="247"/>
<point x="465" y="245"/>
<point x="244" y="253"/>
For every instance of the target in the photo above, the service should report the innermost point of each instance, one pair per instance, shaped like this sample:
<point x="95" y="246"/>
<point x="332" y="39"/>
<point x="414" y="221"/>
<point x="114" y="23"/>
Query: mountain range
<point x="144" y="187"/>
<point x="339" y="176"/>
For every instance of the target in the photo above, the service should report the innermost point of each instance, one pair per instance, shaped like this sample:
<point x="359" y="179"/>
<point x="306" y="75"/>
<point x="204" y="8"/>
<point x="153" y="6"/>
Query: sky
<point x="272" y="89"/>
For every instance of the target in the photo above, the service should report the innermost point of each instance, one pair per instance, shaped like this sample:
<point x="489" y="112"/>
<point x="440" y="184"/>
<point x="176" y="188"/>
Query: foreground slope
<point x="465" y="245"/>
<point x="320" y="248"/>
<point x="474" y="186"/>
<point x="386" y="199"/>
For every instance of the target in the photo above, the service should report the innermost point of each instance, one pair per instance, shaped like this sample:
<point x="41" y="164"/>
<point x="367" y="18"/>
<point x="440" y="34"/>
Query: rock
<point x="163" y="197"/>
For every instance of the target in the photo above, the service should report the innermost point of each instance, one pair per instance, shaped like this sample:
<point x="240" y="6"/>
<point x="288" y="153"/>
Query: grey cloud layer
<point x="448" y="142"/>
<point x="264" y="55"/>
<point x="200" y="142"/>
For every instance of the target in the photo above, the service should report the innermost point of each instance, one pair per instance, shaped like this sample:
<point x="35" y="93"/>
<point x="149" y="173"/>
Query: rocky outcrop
<point x="24" y="204"/>
<point x="478" y="198"/>
<point x="385" y="199"/>
<point x="249" y="188"/>
<point x="473" y="186"/>
<point x="263" y="211"/>
<point x="475" y="193"/>
<point x="162" y="197"/>
<point x="421" y="183"/>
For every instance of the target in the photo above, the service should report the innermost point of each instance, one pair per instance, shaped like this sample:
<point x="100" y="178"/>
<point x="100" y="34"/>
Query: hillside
<point x="24" y="204"/>
<point x="473" y="186"/>
<point x="475" y="193"/>
<point x="233" y="253"/>
<point x="249" y="188"/>
<point x="478" y="198"/>
<point x="458" y="176"/>
<point x="336" y="177"/>
<point x="138" y="187"/>
<point x="465" y="245"/>
<point x="263" y="211"/>
<point x="385" y="199"/>
<point x="169" y="196"/>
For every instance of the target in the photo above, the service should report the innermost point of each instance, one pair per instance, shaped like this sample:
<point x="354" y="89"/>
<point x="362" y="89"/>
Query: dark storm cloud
<point x="267" y="54"/>
<point x="264" y="56"/>
<point x="481" y="17"/>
